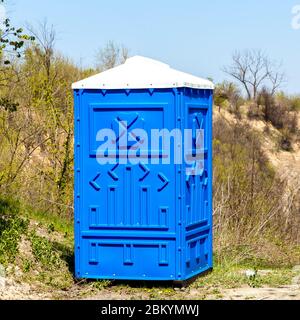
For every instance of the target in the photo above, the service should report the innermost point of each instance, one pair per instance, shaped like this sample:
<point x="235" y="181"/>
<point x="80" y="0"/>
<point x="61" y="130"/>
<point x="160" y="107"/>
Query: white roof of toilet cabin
<point x="142" y="73"/>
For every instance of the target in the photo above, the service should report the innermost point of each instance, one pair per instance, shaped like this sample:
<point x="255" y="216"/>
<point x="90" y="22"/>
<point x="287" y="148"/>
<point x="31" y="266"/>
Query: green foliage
<point x="233" y="276"/>
<point x="12" y="40"/>
<point x="53" y="259"/>
<point x="50" y="227"/>
<point x="51" y="222"/>
<point x="56" y="261"/>
<point x="44" y="251"/>
<point x="295" y="103"/>
<point x="101" y="284"/>
<point x="12" y="226"/>
<point x="227" y="95"/>
<point x="27" y="265"/>
<point x="36" y="124"/>
<point x="8" y="105"/>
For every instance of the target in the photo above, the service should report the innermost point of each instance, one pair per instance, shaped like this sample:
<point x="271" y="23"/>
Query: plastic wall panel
<point x="141" y="221"/>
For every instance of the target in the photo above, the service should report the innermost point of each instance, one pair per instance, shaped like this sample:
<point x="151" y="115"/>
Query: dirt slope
<point x="287" y="164"/>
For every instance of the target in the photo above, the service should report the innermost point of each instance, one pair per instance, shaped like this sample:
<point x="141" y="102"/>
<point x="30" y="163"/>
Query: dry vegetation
<point x="256" y="168"/>
<point x="256" y="205"/>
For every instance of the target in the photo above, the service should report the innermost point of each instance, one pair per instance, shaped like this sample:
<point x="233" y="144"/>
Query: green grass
<point x="52" y="259"/>
<point x="50" y="262"/>
<point x="101" y="284"/>
<point x="12" y="226"/>
<point x="52" y="222"/>
<point x="233" y="276"/>
<point x="44" y="252"/>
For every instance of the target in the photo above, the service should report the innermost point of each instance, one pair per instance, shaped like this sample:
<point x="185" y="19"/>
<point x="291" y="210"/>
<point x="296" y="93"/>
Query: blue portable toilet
<point x="148" y="219"/>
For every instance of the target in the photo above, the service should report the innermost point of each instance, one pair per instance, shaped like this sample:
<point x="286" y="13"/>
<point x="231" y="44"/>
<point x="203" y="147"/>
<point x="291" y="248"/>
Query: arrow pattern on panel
<point x="145" y="169"/>
<point x="112" y="174"/>
<point x="94" y="184"/>
<point x="164" y="180"/>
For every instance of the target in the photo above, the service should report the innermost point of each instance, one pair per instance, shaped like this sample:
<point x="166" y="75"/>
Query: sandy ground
<point x="24" y="292"/>
<point x="291" y="292"/>
<point x="11" y="290"/>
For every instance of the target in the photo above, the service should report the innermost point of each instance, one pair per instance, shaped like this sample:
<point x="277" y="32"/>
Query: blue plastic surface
<point x="144" y="221"/>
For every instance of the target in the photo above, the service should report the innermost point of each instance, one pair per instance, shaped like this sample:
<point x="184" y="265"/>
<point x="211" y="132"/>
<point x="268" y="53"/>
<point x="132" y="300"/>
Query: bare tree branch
<point x="45" y="36"/>
<point x="253" y="70"/>
<point x="111" y="55"/>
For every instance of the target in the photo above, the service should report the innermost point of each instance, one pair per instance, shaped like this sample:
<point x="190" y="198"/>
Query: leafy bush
<point x="12" y="226"/>
<point x="295" y="103"/>
<point x="44" y="251"/>
<point x="55" y="261"/>
<point x="227" y="94"/>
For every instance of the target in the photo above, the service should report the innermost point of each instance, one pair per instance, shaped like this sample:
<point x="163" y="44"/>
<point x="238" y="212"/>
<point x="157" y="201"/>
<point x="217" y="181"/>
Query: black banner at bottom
<point x="94" y="310"/>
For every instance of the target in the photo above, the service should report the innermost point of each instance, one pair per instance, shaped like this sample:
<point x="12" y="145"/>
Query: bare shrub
<point x="280" y="112"/>
<point x="111" y="55"/>
<point x="285" y="140"/>
<point x="255" y="112"/>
